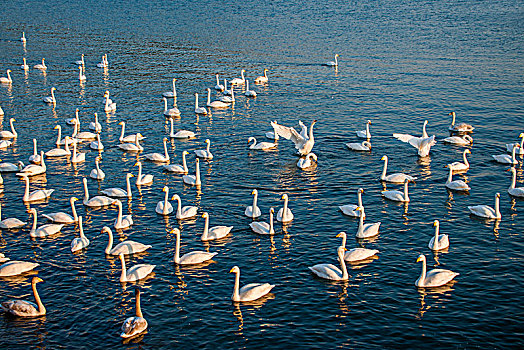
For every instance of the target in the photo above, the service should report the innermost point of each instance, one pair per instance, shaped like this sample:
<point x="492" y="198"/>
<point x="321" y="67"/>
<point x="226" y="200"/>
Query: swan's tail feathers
<point x="403" y="137"/>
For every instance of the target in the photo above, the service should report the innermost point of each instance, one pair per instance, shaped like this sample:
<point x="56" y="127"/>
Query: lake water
<point x="400" y="63"/>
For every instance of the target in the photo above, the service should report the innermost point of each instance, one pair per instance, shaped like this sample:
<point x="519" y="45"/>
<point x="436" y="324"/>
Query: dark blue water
<point x="400" y="63"/>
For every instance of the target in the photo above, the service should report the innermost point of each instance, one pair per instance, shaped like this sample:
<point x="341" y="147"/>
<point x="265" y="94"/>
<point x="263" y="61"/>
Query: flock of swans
<point x="303" y="142"/>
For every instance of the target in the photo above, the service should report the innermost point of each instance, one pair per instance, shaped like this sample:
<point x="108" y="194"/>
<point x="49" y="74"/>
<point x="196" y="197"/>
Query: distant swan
<point x="143" y="179"/>
<point x="215" y="104"/>
<point x="330" y="271"/>
<point x="512" y="190"/>
<point x="199" y="110"/>
<point x="435" y="277"/>
<point x="365" y="134"/>
<point x="193" y="180"/>
<point x="118" y="192"/>
<point x="332" y="63"/>
<point x="260" y="145"/>
<point x="35" y="158"/>
<point x="104" y="63"/>
<point x="264" y="228"/>
<point x="249" y="93"/>
<point x="8" y="80"/>
<point x="506" y="159"/>
<point x="132" y="147"/>
<point x="36" y="195"/>
<point x="218" y="86"/>
<point x="51" y="99"/>
<point x="171" y="94"/>
<point x="249" y="292"/>
<point x="366" y="230"/>
<point x="262" y="79"/>
<point x="355" y="146"/>
<point x="24" y="66"/>
<point x="239" y="81"/>
<point x="10" y="223"/>
<point x="41" y="66"/>
<point x="170" y="112"/>
<point x="520" y="149"/>
<point x="180" y="134"/>
<point x="23" y="39"/>
<point x="438" y="242"/>
<point x="464" y="140"/>
<point x="6" y="134"/>
<point x="128" y="138"/>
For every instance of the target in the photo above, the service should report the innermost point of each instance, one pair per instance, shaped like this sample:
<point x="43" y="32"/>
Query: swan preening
<point x="304" y="144"/>
<point x="330" y="271"/>
<point x="460" y="127"/>
<point x="191" y="258"/>
<point x="396" y="177"/>
<point x="249" y="292"/>
<point x="486" y="211"/>
<point x="137" y="324"/>
<point x="351" y="209"/>
<point x="435" y="277"/>
<point x="215" y="232"/>
<point x="253" y="211"/>
<point x="438" y="242"/>
<point x="7" y="167"/>
<point x="356" y="254"/>
<point x="125" y="247"/>
<point x="458" y="166"/>
<point x="457" y="185"/>
<point x="307" y="161"/>
<point x="264" y="228"/>
<point x="22" y="308"/>
<point x="512" y="190"/>
<point x="14" y="267"/>
<point x="355" y="146"/>
<point x="397" y="195"/>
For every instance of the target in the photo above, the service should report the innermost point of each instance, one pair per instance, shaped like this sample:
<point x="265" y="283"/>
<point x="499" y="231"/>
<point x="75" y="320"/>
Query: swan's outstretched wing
<point x="303" y="131"/>
<point x="424" y="145"/>
<point x="404" y="137"/>
<point x="289" y="133"/>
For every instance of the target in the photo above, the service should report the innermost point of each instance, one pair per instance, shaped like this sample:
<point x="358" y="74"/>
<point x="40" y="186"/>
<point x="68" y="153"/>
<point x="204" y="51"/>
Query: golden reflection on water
<point x="436" y="294"/>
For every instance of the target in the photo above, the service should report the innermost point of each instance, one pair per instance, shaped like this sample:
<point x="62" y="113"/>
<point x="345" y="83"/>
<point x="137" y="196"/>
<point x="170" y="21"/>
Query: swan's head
<point x="74" y="199"/>
<point x="122" y="123"/>
<point x="497" y="195"/>
<point x="425" y="122"/>
<point x="451" y="113"/>
<point x="254" y="192"/>
<point x="165" y="139"/>
<point x="175" y="197"/>
<point x="175" y="231"/>
<point x="266" y="70"/>
<point x="272" y="211"/>
<point x="467" y="151"/>
<point x="208" y="90"/>
<point x="205" y="215"/>
<point x="234" y="269"/>
<point x="185" y="153"/>
<point x="251" y="139"/>
<point x="521" y="134"/>
<point x="36" y="280"/>
<point x="421" y="257"/>
<point x="8" y="71"/>
<point x="406" y="180"/>
<point x="117" y="203"/>
<point x="359" y="208"/>
<point x="369" y="122"/>
<point x="165" y="189"/>
<point x="12" y="119"/>
<point x="196" y="94"/>
<point x="243" y="70"/>
<point x="129" y="175"/>
<point x="31" y="210"/>
<point x="341" y="234"/>
<point x="84" y="180"/>
<point x="336" y="55"/>
<point x="107" y="230"/>
<point x="512" y="169"/>
<point x="174" y="79"/>
<point x="436" y="223"/>
<point x="360" y="190"/>
<point x="284" y="196"/>
<point x="384" y="158"/>
<point x="80" y="67"/>
<point x="207" y="141"/>
<point x="121" y="256"/>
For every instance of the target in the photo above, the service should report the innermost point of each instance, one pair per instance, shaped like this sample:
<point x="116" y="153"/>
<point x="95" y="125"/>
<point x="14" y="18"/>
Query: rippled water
<point x="400" y="64"/>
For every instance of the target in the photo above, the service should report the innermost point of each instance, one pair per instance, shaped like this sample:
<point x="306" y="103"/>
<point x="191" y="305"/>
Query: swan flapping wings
<point x="303" y="142"/>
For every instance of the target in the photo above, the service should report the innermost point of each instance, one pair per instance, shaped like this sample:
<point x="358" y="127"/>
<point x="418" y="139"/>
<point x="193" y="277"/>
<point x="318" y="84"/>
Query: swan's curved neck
<point x="453" y="119"/>
<point x="236" y="295"/>
<point x="12" y="128"/>
<point x="422" y="277"/>
<point x="255" y="197"/>
<point x="110" y="242"/>
<point x="311" y="131"/>
<point x="165" y="150"/>
<point x="86" y="193"/>
<point x="336" y="60"/>
<point x="343" y="267"/>
<point x="424" y="133"/>
<point x="41" y="308"/>
<point x="450" y="176"/>
<point x="119" y="217"/>
<point x="138" y="312"/>
<point x="179" y="206"/>
<point x="465" y="159"/>
<point x="344" y="238"/>
<point x="359" y="199"/>
<point x="124" y="269"/>
<point x="385" y="169"/>
<point x="75" y="215"/>
<point x="26" y="193"/>
<point x="59" y="135"/>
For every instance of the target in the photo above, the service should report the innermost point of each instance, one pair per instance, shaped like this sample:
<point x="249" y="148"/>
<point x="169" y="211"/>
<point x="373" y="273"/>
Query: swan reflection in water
<point x="250" y="307"/>
<point x="439" y="294"/>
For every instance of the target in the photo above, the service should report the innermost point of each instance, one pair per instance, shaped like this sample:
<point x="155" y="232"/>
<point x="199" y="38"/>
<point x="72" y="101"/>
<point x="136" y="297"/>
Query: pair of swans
<point x="170" y="112"/>
<point x="330" y="271"/>
<point x="486" y="211"/>
<point x="512" y="190"/>
<point x="459" y="127"/>
<point x="433" y="278"/>
<point x="125" y="247"/>
<point x="97" y="173"/>
<point x="398" y="196"/>
<point x="64" y="218"/>
<point x="520" y="149"/>
<point x="51" y="99"/>
<point x="132" y="147"/>
<point x="395" y="177"/>
<point x="215" y="232"/>
<point x="215" y="104"/>
<point x="129" y="138"/>
<point x="205" y="153"/>
<point x="506" y="159"/>
<point x="199" y="110"/>
<point x="193" y="180"/>
<point x="36" y="195"/>
<point x="332" y="63"/>
<point x="191" y="258"/>
<point x="10" y="223"/>
<point x="464" y="140"/>
<point x="248" y="292"/>
<point x="309" y="160"/>
<point x="180" y="134"/>
<point x="6" y="134"/>
<point x="34" y="169"/>
<point x="303" y="143"/>
<point x="122" y="222"/>
<point x="165" y="208"/>
<point x="351" y="209"/>
<point x="15" y="267"/>
<point x="355" y="146"/>
<point x="456" y="185"/>
<point x="135" y="273"/>
<point x="248" y="92"/>
<point x="366" y="230"/>
<point x="118" y="192"/>
<point x="356" y="254"/>
<point x="158" y="157"/>
<point x="172" y="93"/>
<point x="264" y="228"/>
<point x="423" y="144"/>
<point x="137" y="324"/>
<point x="365" y="134"/>
<point x="81" y="241"/>
<point x="44" y="230"/>
<point x="22" y="308"/>
<point x="97" y="201"/>
<point x="461" y="166"/>
<point x="177" y="168"/>
<point x="8" y="80"/>
<point x="438" y="241"/>
<point x="260" y="145"/>
<point x="263" y="79"/>
<point x="104" y="63"/>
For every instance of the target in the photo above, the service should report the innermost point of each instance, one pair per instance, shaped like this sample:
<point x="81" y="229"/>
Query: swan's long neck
<point x="174" y="88"/>
<point x="196" y="99"/>
<point x="66" y="145"/>
<point x="165" y="150"/>
<point x="110" y="242"/>
<point x="139" y="172"/>
<point x="59" y="135"/>
<point x="76" y="129"/>
<point x="26" y="193"/>
<point x="406" y="196"/>
<point x="35" y="151"/>
<point x="343" y="267"/>
<point x="513" y="179"/>
<point x="124" y="269"/>
<point x="236" y="295"/>
<point x="119" y="217"/>
<point x="361" y="221"/>
<point x="336" y="60"/>
<point x="128" y="184"/>
<point x="344" y="238"/>
<point x="424" y="133"/>
<point x="206" y="228"/>
<point x="435" y="241"/>
<point x="513" y="152"/>
<point x="138" y="312"/>
<point x="247" y="85"/>
<point x="367" y="125"/>
<point x="311" y="131"/>
<point x="209" y="145"/>
<point x="522" y="142"/>
<point x="184" y="164"/>
<point x="53" y="95"/>
<point x="284" y="211"/>
<point x="208" y="96"/>
<point x="81" y="228"/>
<point x="179" y="206"/>
<point x="242" y="75"/>
<point x="165" y="104"/>
<point x="35" y="219"/>
<point x="218" y="83"/>
<point x="86" y="193"/>
<point x="465" y="159"/>
<point x="385" y="169"/>
<point x="359" y="199"/>
<point x="12" y="128"/>
<point x="254" y="142"/>
<point x="166" y="198"/>
<point x="41" y="307"/>
<point x="450" y="176"/>
<point x="177" y="249"/>
<point x="73" y="209"/>
<point x="265" y="72"/>
<point x="255" y="197"/>
<point x="122" y="133"/>
<point x="452" y="119"/>
<point x="422" y="277"/>
<point x="497" y="206"/>
<point x="197" y="174"/>
<point x="271" y="229"/>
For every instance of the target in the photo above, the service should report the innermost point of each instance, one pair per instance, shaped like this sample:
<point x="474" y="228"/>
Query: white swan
<point x="205" y="153"/>
<point x="397" y="195"/>
<point x="177" y="168"/>
<point x="85" y="135"/>
<point x="164" y="207"/>
<point x="5" y="144"/>
<point x="263" y="79"/>
<point x="506" y="159"/>
<point x="97" y="145"/>
<point x="44" y="230"/>
<point x="122" y="222"/>
<point x="51" y="99"/>
<point x="143" y="179"/>
<point x="249" y="93"/>
<point x="171" y="94"/>
<point x="285" y="214"/>
<point x="435" y="277"/>
<point x="408" y="137"/>
<point x="137" y="324"/>
<point x="64" y="218"/>
<point x="253" y="211"/>
<point x="6" y="134"/>
<point x="464" y="140"/>
<point x="66" y="140"/>
<point x="396" y="177"/>
<point x="24" y="66"/>
<point x="10" y="223"/>
<point x="35" y="158"/>
<point x="461" y="127"/>
<point x="365" y="134"/>
<point x="332" y="63"/>
<point x="36" y="195"/>
<point x="228" y="97"/>
<point x="264" y="228"/>
<point x="272" y="135"/>
<point x="512" y="190"/>
<point x="118" y="192"/>
<point x="60" y="152"/>
<point x="97" y="173"/>
<point x="128" y="138"/>
<point x="80" y="242"/>
<point x="97" y="201"/>
<point x="193" y="180"/>
<point x="132" y="147"/>
<point x="520" y="149"/>
<point x="216" y="103"/>
<point x="41" y="66"/>
<point x="302" y="144"/>
<point x="248" y="292"/>
<point x="330" y="271"/>
<point x="239" y="81"/>
<point x="184" y="212"/>
<point x="136" y="272"/>
<point x="170" y="112"/>
<point x="74" y="120"/>
<point x="158" y="157"/>
<point x="458" y="166"/>
<point x="7" y="167"/>
<point x="355" y="146"/>
<point x="22" y="308"/>
<point x="14" y="267"/>
<point x="95" y="125"/>
<point x="77" y="157"/>
<point x="486" y="211"/>
<point x="351" y="209"/>
<point x="307" y="161"/>
<point x="81" y="62"/>
<point x="109" y="105"/>
<point x="180" y="134"/>
<point x="34" y="169"/>
<point x="23" y="38"/>
<point x="81" y="73"/>
<point x="8" y="80"/>
<point x="125" y="247"/>
<point x="226" y="91"/>
<point x="103" y="63"/>
<point x="438" y="242"/>
<point x="218" y="86"/>
<point x="356" y="254"/>
<point x="199" y="110"/>
<point x="366" y="230"/>
<point x="215" y="232"/>
<point x="260" y="145"/>
<point x="457" y="185"/>
<point x="194" y="257"/>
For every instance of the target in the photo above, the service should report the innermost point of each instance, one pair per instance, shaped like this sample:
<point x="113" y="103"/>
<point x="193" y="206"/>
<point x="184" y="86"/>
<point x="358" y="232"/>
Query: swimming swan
<point x="137" y="324"/>
<point x="22" y="308"/>
<point x="97" y="173"/>
<point x="10" y="223"/>
<point x="438" y="242"/>
<point x="125" y="247"/>
<point x="330" y="271"/>
<point x="355" y="146"/>
<point x="396" y="177"/>
<point x="193" y="180"/>
<point x="253" y="211"/>
<point x="14" y="267"/>
<point x="457" y="185"/>
<point x="397" y="195"/>
<point x="199" y="110"/>
<point x="285" y="214"/>
<point x="365" y="134"/>
<point x="172" y="93"/>
<point x="44" y="230"/>
<point x="366" y="230"/>
<point x="157" y="157"/>
<point x="164" y="207"/>
<point x="512" y="190"/>
<point x="6" y="134"/>
<point x="458" y="166"/>
<point x="239" y="81"/>
<point x="263" y="228"/>
<point x="118" y="192"/>
<point x="36" y="195"/>
<point x="136" y="272"/>
<point x="97" y="201"/>
<point x="80" y="242"/>
<point x="184" y="212"/>
<point x="122" y="222"/>
<point x="356" y="254"/>
<point x="177" y="168"/>
<point x="260" y="145"/>
<point x="249" y="292"/>
<point x="206" y="154"/>
<point x="191" y="258"/>
<point x="351" y="209"/>
<point x="64" y="218"/>
<point x="461" y="127"/>
<point x="486" y="211"/>
<point x="263" y="79"/>
<point x="332" y="63"/>
<point x="520" y="150"/>
<point x="215" y="232"/>
<point x="435" y="277"/>
<point x="506" y="159"/>
<point x="142" y="179"/>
